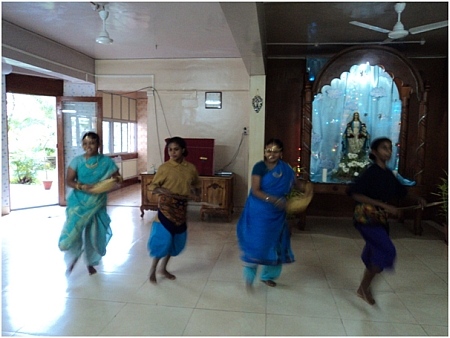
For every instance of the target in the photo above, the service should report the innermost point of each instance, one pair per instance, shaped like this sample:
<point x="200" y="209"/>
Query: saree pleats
<point x="262" y="230"/>
<point x="86" y="216"/>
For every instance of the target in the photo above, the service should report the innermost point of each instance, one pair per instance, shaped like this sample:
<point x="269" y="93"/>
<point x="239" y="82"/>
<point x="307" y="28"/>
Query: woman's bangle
<point x="267" y="198"/>
<point x="277" y="201"/>
<point x="78" y="186"/>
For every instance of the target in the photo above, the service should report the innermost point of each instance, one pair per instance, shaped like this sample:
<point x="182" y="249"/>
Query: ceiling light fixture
<point x="104" y="38"/>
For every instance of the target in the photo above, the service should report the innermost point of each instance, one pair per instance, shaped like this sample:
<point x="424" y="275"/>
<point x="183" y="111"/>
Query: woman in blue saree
<point x="87" y="225"/>
<point x="262" y="230"/>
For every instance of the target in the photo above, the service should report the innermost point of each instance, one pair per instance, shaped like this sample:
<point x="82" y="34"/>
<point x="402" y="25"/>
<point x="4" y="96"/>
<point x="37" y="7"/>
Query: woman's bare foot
<point x="168" y="275"/>
<point x="152" y="276"/>
<point x="269" y="282"/>
<point x="91" y="270"/>
<point x="72" y="265"/>
<point x="366" y="295"/>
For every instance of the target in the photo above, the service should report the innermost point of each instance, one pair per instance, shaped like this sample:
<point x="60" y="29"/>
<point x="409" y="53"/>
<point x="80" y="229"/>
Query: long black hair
<point x="181" y="143"/>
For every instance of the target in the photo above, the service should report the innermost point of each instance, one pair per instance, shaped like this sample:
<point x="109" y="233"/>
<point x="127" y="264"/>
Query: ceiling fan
<point x="399" y="32"/>
<point x="103" y="38"/>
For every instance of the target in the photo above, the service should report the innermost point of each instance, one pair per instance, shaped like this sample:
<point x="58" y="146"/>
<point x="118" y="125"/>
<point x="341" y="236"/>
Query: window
<point x="80" y="125"/>
<point x="119" y="137"/>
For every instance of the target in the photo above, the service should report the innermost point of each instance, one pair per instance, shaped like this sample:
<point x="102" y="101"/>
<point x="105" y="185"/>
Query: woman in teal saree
<point x="87" y="227"/>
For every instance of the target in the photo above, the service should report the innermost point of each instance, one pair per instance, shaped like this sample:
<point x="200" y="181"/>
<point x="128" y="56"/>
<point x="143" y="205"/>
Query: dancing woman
<point x="87" y="225"/>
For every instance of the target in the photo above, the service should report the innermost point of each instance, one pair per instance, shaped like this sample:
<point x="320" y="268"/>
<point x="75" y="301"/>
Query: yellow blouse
<point x="176" y="177"/>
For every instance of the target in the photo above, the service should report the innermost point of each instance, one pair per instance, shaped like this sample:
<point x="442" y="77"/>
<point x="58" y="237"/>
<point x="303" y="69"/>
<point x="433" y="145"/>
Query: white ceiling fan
<point x="103" y="38"/>
<point x="399" y="31"/>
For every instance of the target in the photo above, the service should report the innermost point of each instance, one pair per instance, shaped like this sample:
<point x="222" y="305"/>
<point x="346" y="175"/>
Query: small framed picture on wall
<point x="213" y="100"/>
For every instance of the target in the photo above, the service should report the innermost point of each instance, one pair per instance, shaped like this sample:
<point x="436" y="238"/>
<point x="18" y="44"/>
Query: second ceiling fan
<point x="399" y="31"/>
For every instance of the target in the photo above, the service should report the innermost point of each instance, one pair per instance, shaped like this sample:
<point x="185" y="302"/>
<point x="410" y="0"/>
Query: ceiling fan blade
<point x="426" y="28"/>
<point x="374" y="28"/>
<point x="387" y="40"/>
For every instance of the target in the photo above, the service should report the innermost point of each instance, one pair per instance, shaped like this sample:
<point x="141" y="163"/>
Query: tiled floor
<point x="315" y="296"/>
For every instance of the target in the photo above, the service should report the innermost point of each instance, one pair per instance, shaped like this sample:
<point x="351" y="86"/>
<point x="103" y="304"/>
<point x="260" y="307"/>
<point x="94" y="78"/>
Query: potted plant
<point x="47" y="183"/>
<point x="443" y="196"/>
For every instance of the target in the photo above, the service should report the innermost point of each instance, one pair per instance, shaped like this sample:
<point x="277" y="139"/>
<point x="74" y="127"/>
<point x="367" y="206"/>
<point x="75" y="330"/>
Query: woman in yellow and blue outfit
<point x="173" y="182"/>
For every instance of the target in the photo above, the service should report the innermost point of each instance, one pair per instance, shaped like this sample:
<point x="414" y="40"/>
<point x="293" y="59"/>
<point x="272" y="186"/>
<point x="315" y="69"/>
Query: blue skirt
<point x="379" y="250"/>
<point x="162" y="243"/>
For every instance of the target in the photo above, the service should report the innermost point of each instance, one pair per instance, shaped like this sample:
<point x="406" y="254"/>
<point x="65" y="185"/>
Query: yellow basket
<point x="297" y="203"/>
<point x="103" y="186"/>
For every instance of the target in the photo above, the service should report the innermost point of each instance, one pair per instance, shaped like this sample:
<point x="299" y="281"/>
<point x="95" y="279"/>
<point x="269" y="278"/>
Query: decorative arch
<point x="390" y="59"/>
<point x="409" y="84"/>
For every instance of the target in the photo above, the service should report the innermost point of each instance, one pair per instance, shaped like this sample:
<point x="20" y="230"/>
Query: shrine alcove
<point x="390" y="100"/>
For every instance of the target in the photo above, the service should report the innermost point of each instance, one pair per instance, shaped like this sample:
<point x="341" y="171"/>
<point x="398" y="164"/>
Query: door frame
<point x="60" y="136"/>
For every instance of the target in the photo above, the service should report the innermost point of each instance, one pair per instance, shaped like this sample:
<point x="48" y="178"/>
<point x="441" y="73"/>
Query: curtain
<point x="367" y="90"/>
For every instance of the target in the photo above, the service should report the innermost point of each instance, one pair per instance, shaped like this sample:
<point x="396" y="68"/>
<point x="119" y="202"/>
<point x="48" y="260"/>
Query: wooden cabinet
<point x="217" y="194"/>
<point x="148" y="200"/>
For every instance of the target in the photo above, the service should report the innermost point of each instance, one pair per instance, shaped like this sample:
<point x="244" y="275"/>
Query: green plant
<point x="25" y="169"/>
<point x="443" y="195"/>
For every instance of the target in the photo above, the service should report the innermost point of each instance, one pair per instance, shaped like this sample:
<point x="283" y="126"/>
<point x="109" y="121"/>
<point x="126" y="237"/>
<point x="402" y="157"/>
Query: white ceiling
<point x="252" y="31"/>
<point x="140" y="30"/>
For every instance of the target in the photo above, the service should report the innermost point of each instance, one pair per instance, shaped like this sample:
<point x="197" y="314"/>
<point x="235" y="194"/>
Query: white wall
<point x="176" y="94"/>
<point x="5" y="194"/>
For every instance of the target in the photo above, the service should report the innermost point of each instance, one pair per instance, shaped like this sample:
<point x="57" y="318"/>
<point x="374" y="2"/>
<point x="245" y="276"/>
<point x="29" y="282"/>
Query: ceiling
<point x="167" y="30"/>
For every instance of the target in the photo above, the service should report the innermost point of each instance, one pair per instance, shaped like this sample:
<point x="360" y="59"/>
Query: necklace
<point x="92" y="166"/>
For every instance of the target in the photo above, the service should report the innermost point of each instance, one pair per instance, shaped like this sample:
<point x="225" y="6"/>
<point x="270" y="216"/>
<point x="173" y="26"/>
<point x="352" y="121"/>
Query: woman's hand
<point x="86" y="188"/>
<point x="196" y="198"/>
<point x="166" y="192"/>
<point x="392" y="210"/>
<point x="118" y="178"/>
<point x="422" y="202"/>
<point x="162" y="191"/>
<point x="280" y="203"/>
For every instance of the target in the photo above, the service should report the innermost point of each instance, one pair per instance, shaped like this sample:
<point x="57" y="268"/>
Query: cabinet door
<point x="125" y="108"/>
<point x="116" y="108"/>
<point x="133" y="112"/>
<point x="214" y="192"/>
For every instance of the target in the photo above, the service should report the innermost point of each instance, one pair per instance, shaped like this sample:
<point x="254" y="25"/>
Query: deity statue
<point x="355" y="139"/>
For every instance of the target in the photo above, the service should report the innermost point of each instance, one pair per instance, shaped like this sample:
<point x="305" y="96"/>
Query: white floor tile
<point x="284" y="325"/>
<point x="314" y="296"/>
<point x="301" y="301"/>
<point x="427" y="309"/>
<point x="148" y="320"/>
<point x="232" y="296"/>
<point x="225" y="323"/>
<point x="369" y="328"/>
<point x="388" y="307"/>
<point x="70" y="317"/>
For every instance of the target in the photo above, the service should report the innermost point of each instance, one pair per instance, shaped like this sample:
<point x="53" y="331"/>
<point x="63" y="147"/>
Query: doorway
<point x="32" y="153"/>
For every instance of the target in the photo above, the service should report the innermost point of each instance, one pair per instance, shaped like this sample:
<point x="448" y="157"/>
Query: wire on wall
<point x="161" y="154"/>
<point x="235" y="154"/>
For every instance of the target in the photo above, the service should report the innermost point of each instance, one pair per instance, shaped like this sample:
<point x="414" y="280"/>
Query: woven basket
<point x="103" y="186"/>
<point x="298" y="203"/>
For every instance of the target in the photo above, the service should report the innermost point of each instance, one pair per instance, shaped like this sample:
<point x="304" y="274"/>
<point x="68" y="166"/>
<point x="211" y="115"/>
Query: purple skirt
<point x="379" y="250"/>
